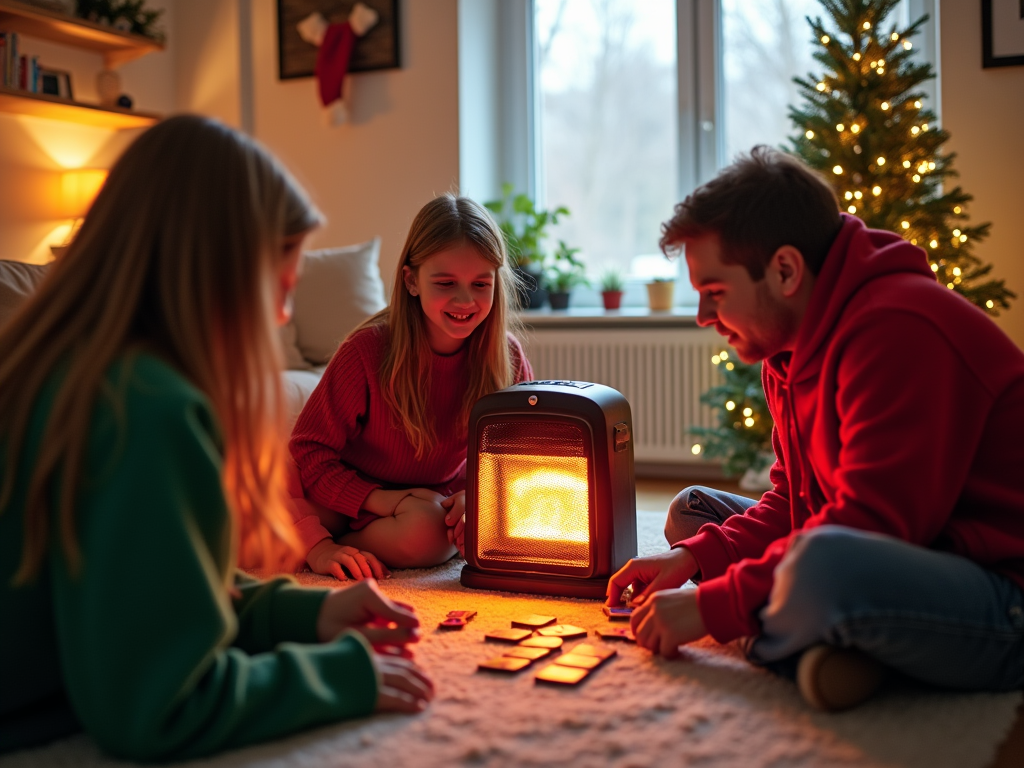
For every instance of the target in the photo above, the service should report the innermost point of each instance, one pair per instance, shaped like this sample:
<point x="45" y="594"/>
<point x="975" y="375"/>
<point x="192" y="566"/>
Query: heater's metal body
<point x="550" y="489"/>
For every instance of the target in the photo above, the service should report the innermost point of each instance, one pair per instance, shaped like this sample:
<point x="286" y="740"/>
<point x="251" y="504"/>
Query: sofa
<point x="338" y="288"/>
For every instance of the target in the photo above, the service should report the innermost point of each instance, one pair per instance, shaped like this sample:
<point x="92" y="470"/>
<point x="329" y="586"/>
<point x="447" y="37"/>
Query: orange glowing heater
<point x="550" y="493"/>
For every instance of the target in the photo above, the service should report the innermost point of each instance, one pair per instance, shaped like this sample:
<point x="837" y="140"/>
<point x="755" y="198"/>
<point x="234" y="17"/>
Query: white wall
<point x="401" y="149"/>
<point x="983" y="109"/>
<point x="34" y="151"/>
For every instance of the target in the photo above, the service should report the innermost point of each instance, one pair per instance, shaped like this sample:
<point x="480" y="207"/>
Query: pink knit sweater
<point x="346" y="444"/>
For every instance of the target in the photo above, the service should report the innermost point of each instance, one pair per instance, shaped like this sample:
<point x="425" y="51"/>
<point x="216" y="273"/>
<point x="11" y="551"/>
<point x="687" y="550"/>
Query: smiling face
<point x="455" y="287"/>
<point x="759" y="319"/>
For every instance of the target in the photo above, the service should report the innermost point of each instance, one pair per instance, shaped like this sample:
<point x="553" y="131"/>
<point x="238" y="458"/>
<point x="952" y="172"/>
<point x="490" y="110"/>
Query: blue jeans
<point x="934" y="616"/>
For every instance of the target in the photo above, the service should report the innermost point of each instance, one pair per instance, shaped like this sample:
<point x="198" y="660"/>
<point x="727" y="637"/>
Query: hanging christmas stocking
<point x="336" y="42"/>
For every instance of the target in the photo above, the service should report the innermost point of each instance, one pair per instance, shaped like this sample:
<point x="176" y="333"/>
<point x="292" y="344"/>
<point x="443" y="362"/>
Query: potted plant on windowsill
<point x="659" y="293"/>
<point x="525" y="228"/>
<point x="565" y="274"/>
<point x="612" y="285"/>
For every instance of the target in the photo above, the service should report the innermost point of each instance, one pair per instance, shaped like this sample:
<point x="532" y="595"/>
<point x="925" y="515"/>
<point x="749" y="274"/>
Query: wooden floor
<point x="658" y="494"/>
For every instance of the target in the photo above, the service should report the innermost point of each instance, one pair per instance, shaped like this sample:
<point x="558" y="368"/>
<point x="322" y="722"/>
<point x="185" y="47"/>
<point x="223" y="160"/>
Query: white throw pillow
<point x="338" y="289"/>
<point x="17" y="282"/>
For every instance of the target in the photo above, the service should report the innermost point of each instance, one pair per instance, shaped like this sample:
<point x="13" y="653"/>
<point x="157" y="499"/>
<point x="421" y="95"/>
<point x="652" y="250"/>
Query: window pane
<point x="608" y="125"/>
<point x="766" y="43"/>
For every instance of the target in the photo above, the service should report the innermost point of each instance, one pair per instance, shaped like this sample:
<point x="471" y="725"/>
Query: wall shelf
<point x="117" y="47"/>
<point x="42" y="105"/>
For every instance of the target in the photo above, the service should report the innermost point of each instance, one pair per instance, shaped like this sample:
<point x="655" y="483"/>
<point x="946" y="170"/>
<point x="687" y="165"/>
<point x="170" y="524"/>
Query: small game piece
<point x="508" y="635"/>
<point x="528" y="653"/>
<point x="617" y="633"/>
<point x="533" y="621"/>
<point x="552" y="643"/>
<point x="467" y="615"/>
<point x="566" y="631"/>
<point x="504" y="664"/>
<point x="452" y="622"/>
<point x="617" y="614"/>
<point x="585" y="649"/>
<point x="627" y="596"/>
<point x="554" y="673"/>
<point x="578" y="660"/>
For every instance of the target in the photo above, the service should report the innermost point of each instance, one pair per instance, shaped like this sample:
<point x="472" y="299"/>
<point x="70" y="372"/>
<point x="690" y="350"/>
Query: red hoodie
<point x="900" y="411"/>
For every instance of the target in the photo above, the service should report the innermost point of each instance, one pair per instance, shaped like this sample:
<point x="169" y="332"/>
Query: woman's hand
<point x="362" y="607"/>
<point x="456" y="520"/>
<point x="421" y="499"/>
<point x="402" y="685"/>
<point x="332" y="559"/>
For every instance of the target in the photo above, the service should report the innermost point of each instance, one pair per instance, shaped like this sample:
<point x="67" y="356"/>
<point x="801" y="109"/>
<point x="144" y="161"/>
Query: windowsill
<point x="597" y="317"/>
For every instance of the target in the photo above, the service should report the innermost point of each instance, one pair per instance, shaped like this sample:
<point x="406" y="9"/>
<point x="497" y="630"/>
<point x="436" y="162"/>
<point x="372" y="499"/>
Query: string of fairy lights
<point x="877" y="186"/>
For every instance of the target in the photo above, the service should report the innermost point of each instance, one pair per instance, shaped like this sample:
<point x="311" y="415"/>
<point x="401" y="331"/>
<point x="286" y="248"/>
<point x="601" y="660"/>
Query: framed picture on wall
<point x="378" y="49"/>
<point x="1002" y="33"/>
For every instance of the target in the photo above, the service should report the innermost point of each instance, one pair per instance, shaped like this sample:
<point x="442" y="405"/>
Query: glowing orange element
<point x="78" y="189"/>
<point x="534" y="509"/>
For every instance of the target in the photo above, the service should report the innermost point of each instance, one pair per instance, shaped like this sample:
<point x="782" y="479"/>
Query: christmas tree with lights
<point x="865" y="126"/>
<point x="743" y="435"/>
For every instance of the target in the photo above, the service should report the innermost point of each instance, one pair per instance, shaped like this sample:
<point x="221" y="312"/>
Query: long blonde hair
<point x="443" y="223"/>
<point x="177" y="257"/>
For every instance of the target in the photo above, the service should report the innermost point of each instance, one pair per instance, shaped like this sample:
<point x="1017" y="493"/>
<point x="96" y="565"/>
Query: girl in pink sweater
<point x="381" y="445"/>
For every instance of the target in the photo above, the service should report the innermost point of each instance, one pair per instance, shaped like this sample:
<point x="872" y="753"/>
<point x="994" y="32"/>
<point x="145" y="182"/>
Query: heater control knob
<point x="532" y="400"/>
<point x="621" y="436"/>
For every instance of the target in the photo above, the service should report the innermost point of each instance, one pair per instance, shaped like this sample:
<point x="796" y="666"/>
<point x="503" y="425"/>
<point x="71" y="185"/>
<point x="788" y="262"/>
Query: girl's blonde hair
<point x="445" y="222"/>
<point x="177" y="257"/>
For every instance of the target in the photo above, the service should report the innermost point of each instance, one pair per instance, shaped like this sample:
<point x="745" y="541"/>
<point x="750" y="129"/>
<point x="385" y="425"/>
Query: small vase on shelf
<point x="659" y="295"/>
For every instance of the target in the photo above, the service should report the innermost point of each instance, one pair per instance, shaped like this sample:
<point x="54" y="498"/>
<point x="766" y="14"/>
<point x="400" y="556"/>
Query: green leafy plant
<point x="663" y="279"/>
<point x="124" y="15"/>
<point x="524" y="226"/>
<point x="566" y="271"/>
<point x="612" y="280"/>
<point x="743" y="436"/>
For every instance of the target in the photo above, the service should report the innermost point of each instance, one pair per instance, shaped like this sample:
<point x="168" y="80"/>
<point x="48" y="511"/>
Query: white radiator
<point x="661" y="371"/>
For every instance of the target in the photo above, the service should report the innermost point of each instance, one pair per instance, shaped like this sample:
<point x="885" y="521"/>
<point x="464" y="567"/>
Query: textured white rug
<point x="709" y="709"/>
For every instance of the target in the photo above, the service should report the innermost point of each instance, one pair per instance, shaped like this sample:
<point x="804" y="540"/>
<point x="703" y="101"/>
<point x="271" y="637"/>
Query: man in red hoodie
<point x="894" y="535"/>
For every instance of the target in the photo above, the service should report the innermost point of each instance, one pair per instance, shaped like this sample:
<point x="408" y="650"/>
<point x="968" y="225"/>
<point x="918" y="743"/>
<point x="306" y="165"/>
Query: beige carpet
<point x="710" y="709"/>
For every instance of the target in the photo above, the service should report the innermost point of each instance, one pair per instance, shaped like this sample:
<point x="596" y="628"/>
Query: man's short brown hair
<point x="761" y="202"/>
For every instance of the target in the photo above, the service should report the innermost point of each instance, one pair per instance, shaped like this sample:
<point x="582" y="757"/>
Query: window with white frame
<point x="633" y="104"/>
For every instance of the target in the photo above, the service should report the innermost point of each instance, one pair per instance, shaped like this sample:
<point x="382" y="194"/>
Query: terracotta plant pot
<point x="659" y="295"/>
<point x="611" y="299"/>
<point x="559" y="299"/>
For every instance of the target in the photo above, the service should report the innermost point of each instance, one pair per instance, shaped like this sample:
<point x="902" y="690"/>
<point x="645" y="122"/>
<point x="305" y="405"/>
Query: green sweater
<point x="156" y="647"/>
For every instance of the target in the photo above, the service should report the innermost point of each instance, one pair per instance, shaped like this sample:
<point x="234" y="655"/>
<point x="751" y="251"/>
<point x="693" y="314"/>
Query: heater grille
<point x="533" y="493"/>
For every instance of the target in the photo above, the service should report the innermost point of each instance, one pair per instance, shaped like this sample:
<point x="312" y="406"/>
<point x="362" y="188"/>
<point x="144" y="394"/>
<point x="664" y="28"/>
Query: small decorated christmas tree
<point x="865" y="125"/>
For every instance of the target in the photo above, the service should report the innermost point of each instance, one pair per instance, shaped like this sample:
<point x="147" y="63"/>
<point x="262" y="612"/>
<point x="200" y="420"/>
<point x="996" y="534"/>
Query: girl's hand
<point x="362" y="607"/>
<point x="421" y="498"/>
<point x="332" y="559"/>
<point x="667" y="619"/>
<point x="456" y="520"/>
<point x="385" y="503"/>
<point x="403" y="686"/>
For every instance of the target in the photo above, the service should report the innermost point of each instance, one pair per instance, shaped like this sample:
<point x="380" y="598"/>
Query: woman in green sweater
<point x="141" y="450"/>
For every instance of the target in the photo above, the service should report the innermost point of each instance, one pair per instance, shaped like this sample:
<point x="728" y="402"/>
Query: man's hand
<point x="362" y="607"/>
<point x="667" y="619"/>
<point x="332" y="559"/>
<point x="666" y="570"/>
<point x="456" y="520"/>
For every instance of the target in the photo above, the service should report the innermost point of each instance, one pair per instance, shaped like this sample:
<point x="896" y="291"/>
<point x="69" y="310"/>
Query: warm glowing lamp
<point x="78" y="189"/>
<point x="550" y="492"/>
